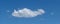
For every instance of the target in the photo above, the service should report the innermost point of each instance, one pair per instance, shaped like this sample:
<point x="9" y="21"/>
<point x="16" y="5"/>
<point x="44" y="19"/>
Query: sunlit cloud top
<point x="25" y="12"/>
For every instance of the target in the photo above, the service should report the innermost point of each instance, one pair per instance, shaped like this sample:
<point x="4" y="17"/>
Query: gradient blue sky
<point x="50" y="6"/>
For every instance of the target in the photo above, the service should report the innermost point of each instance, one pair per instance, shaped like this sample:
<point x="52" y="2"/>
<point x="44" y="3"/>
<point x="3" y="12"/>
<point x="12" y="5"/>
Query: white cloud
<point x="27" y="12"/>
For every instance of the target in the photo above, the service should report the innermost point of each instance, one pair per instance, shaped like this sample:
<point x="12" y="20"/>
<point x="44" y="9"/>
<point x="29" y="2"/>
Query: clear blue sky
<point x="48" y="5"/>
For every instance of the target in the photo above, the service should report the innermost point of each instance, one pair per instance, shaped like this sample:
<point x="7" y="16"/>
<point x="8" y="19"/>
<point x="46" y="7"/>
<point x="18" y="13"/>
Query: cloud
<point x="25" y="12"/>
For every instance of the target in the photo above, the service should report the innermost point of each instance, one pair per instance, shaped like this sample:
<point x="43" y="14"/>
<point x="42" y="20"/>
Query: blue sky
<point x="50" y="7"/>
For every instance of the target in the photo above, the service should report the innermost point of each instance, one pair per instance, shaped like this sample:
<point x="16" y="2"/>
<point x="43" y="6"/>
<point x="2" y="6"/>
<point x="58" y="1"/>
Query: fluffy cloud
<point x="25" y="12"/>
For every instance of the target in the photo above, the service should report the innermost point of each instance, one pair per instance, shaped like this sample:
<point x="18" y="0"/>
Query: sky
<point x="10" y="14"/>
